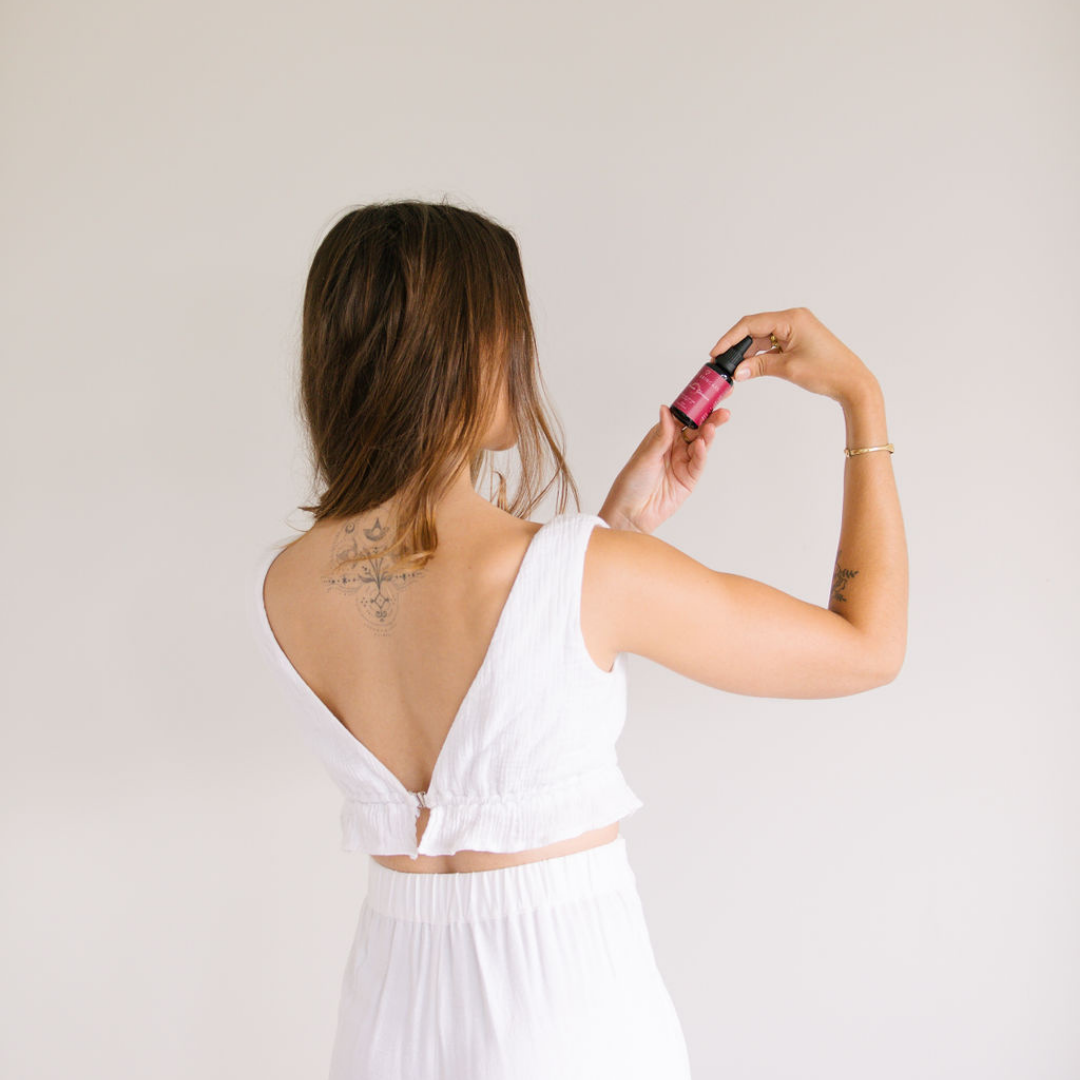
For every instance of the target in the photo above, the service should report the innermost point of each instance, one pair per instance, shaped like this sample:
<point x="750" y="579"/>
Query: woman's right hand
<point x="809" y="354"/>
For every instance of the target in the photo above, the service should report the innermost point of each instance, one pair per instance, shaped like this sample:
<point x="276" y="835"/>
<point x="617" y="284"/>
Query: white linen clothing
<point x="530" y="756"/>
<point x="542" y="971"/>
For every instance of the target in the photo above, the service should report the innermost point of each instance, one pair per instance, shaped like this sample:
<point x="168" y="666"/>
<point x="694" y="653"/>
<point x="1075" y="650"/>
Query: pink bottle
<point x="712" y="383"/>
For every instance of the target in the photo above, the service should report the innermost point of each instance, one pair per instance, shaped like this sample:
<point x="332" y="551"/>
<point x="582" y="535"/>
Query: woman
<point x="461" y="670"/>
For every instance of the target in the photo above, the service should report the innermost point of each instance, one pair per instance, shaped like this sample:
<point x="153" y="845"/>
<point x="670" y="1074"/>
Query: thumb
<point x="667" y="425"/>
<point x="754" y="367"/>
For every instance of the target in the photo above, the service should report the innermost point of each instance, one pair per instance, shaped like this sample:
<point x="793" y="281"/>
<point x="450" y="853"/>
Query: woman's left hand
<point x="661" y="472"/>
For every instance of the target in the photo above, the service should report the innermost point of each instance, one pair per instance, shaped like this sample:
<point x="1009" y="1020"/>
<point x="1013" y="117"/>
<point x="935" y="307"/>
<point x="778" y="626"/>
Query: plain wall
<point x="883" y="885"/>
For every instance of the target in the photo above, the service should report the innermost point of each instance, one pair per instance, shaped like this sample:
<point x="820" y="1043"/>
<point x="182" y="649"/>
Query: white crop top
<point x="530" y="756"/>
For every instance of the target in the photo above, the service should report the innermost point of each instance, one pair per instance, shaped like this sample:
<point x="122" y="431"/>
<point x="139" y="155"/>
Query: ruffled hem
<point x="380" y="828"/>
<point x="502" y="823"/>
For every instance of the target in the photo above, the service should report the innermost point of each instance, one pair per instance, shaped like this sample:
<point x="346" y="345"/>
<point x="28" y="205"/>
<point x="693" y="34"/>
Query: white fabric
<point x="541" y="971"/>
<point x="530" y="757"/>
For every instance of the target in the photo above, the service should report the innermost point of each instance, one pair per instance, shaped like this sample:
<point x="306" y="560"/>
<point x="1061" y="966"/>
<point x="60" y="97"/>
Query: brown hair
<point x="415" y="318"/>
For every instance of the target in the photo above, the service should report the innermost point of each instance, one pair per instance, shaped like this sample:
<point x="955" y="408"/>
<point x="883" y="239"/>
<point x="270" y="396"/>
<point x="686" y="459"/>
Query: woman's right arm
<point x="741" y="635"/>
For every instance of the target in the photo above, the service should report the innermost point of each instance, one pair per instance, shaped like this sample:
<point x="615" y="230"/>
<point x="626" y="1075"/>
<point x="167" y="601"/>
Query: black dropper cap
<point x="730" y="359"/>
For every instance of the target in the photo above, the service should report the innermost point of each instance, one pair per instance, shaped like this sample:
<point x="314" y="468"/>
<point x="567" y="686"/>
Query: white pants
<point x="541" y="970"/>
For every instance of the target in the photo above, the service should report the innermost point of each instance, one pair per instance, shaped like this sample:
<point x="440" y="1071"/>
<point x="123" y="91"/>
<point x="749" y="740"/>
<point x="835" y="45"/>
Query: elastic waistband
<point x="483" y="894"/>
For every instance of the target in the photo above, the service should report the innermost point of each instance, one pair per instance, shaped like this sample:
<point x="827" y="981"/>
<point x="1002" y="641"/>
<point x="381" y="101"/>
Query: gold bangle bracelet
<point x="867" y="449"/>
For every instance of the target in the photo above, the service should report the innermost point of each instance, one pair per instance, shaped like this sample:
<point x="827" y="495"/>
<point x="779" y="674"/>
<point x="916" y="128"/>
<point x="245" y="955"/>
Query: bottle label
<point x="702" y="393"/>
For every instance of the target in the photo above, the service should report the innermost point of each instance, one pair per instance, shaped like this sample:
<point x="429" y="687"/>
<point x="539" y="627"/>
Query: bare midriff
<point x="462" y="862"/>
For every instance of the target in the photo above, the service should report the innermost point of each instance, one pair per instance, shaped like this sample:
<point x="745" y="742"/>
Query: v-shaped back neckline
<point x="351" y="739"/>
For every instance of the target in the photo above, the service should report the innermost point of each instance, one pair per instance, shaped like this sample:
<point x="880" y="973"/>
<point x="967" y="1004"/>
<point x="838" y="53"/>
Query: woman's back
<point x="469" y="682"/>
<point x="393" y="656"/>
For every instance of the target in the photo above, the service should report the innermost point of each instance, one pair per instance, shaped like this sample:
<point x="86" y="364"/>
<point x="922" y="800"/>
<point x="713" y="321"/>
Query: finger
<point x="707" y="431"/>
<point x="673" y="437"/>
<point x="668" y="426"/>
<point x="712" y="422"/>
<point x="753" y="367"/>
<point x="759" y="327"/>
<point x="683" y="455"/>
<point x="705" y="428"/>
<point x="684" y="432"/>
<point x="703" y="434"/>
<point x="695" y="462"/>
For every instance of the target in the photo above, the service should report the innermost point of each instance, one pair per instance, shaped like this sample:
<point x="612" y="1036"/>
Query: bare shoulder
<point x="631" y="580"/>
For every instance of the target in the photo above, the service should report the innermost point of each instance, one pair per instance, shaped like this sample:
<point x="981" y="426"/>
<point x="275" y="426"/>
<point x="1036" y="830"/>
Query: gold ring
<point x="775" y="343"/>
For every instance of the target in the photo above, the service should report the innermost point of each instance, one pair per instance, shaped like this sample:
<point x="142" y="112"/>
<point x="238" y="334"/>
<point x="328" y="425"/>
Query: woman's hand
<point x="667" y="464"/>
<point x="661" y="472"/>
<point x="807" y="354"/>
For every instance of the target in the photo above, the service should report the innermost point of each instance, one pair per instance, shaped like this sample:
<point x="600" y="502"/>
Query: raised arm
<point x="645" y="596"/>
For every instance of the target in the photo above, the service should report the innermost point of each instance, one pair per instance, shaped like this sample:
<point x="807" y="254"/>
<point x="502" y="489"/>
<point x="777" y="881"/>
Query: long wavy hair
<point x="415" y="321"/>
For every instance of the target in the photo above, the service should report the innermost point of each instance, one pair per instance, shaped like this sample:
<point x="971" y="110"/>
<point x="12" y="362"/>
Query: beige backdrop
<point x="879" y="886"/>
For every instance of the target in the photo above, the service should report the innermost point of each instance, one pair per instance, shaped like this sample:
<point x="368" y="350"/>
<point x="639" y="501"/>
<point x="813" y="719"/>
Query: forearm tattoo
<point x="359" y="568"/>
<point x="840" y="579"/>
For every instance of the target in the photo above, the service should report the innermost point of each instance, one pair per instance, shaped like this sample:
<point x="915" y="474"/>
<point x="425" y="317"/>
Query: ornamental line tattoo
<point x="361" y="570"/>
<point x="840" y="579"/>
